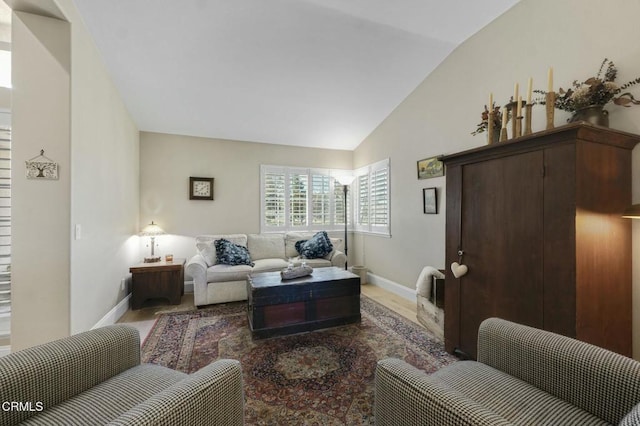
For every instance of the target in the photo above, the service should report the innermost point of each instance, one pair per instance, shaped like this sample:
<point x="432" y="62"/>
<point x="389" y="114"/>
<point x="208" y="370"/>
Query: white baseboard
<point x="5" y="350"/>
<point x="121" y="308"/>
<point x="114" y="314"/>
<point x="391" y="286"/>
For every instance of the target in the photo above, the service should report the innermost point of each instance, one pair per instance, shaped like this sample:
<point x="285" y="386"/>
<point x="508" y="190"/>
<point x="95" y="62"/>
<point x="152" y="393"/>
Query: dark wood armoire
<point x="537" y="221"/>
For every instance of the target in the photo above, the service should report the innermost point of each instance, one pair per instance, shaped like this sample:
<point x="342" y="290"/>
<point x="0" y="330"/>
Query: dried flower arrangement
<point x="484" y="124"/>
<point x="594" y="91"/>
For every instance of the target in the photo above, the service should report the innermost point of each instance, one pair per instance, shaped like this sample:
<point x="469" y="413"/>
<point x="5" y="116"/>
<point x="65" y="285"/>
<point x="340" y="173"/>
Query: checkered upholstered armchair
<point x="95" y="378"/>
<point x="523" y="376"/>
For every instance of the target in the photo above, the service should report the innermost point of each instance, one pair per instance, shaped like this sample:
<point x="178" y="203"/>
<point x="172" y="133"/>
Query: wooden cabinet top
<point x="177" y="264"/>
<point x="568" y="133"/>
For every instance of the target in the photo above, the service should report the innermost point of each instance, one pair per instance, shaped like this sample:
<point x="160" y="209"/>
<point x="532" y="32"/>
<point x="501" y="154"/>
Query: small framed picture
<point x="430" y="200"/>
<point x="430" y="168"/>
<point x="200" y="188"/>
<point x="41" y="167"/>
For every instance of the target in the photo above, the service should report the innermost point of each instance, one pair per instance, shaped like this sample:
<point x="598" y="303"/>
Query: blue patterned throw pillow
<point x="229" y="253"/>
<point x="318" y="246"/>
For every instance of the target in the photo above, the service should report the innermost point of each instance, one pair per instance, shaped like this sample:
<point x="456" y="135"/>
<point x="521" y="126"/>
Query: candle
<point x="515" y="92"/>
<point x="529" y="90"/>
<point x="490" y="101"/>
<point x="519" y="108"/>
<point x="504" y="117"/>
<point x="550" y="77"/>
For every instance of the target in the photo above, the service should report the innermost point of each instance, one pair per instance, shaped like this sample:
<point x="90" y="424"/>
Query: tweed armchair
<point x="96" y="378"/>
<point x="523" y="376"/>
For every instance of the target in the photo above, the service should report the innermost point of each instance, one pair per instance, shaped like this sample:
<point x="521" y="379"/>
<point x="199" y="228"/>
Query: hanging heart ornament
<point x="458" y="269"/>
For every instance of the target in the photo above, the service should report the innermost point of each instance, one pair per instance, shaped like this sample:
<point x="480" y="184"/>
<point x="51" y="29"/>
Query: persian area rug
<point x="324" y="377"/>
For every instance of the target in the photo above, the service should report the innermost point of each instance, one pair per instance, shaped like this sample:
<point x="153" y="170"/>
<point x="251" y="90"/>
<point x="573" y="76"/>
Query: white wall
<point x="65" y="103"/>
<point x="167" y="162"/>
<point x="41" y="119"/>
<point x="573" y="36"/>
<point x="104" y="186"/>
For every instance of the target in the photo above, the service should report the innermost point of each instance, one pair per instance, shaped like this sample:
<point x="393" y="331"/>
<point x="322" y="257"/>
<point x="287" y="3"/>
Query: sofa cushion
<point x="229" y="253"/>
<point x="316" y="247"/>
<point x="220" y="273"/>
<point x="207" y="249"/>
<point x="290" y="240"/>
<point x="269" y="265"/>
<point x="266" y="246"/>
<point x="338" y="245"/>
<point x="109" y="399"/>
<point x="512" y="398"/>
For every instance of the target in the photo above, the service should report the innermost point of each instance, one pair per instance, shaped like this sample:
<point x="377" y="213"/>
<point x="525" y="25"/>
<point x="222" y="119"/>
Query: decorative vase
<point x="495" y="137"/>
<point x="594" y="114"/>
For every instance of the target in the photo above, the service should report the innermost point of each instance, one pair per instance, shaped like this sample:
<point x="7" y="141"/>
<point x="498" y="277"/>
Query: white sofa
<point x="217" y="283"/>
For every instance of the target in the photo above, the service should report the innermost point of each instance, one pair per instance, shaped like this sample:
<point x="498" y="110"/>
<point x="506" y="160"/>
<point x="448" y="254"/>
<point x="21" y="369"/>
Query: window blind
<point x="373" y="198"/>
<point x="301" y="199"/>
<point x="5" y="232"/>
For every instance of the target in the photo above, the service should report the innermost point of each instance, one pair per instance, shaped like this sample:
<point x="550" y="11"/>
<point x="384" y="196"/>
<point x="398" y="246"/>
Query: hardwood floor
<point x="144" y="318"/>
<point x="400" y="305"/>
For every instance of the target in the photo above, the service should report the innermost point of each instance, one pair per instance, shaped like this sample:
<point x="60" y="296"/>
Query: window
<point x="5" y="229"/>
<point x="371" y="189"/>
<point x="301" y="199"/>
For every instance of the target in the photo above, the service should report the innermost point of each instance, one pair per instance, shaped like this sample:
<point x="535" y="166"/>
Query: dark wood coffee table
<point x="327" y="298"/>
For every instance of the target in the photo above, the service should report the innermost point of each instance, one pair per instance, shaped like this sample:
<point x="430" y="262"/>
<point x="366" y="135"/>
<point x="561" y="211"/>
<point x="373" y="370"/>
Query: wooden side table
<point x="157" y="280"/>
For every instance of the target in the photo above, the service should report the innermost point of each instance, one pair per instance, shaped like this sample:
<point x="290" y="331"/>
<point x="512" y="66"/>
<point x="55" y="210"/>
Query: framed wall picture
<point x="430" y="200"/>
<point x="200" y="188"/>
<point x="430" y="168"/>
<point x="41" y="167"/>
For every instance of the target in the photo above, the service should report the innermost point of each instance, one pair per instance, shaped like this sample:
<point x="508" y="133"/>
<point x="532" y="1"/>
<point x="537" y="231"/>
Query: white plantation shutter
<point x="379" y="206"/>
<point x="338" y="196"/>
<point x="300" y="199"/>
<point x="363" y="199"/>
<point x="373" y="198"/>
<point x="273" y="199"/>
<point x="320" y="199"/>
<point x="5" y="233"/>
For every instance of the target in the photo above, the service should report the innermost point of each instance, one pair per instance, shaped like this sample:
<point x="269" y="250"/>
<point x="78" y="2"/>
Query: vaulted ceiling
<point x="317" y="73"/>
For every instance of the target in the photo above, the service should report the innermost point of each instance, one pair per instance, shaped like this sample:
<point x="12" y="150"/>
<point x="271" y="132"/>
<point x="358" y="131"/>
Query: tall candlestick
<point x="490" y="101"/>
<point x="518" y="118"/>
<point x="550" y="105"/>
<point x="503" y="135"/>
<point x="503" y="131"/>
<point x="515" y="92"/>
<point x="527" y="119"/>
<point x="550" y="78"/>
<point x="529" y="90"/>
<point x="512" y="108"/>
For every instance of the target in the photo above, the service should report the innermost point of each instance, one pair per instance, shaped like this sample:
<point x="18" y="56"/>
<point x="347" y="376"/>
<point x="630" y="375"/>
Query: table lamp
<point x="151" y="230"/>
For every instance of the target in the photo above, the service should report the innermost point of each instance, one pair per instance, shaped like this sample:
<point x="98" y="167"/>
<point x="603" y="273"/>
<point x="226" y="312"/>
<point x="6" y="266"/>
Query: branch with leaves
<point x="594" y="91"/>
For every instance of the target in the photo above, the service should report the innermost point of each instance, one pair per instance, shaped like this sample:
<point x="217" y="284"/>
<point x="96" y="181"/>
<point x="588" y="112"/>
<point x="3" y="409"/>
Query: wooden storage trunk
<point x="329" y="297"/>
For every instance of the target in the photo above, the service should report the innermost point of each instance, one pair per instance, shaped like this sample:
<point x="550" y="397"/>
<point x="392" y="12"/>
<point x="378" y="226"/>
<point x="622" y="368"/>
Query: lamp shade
<point x="151" y="230"/>
<point x="632" y="212"/>
<point x="345" y="179"/>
